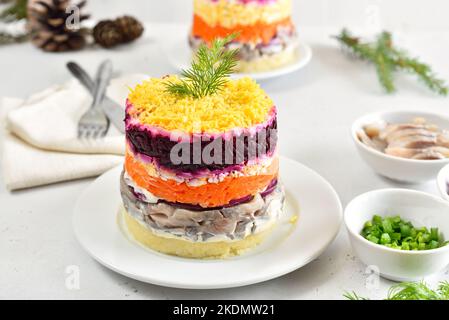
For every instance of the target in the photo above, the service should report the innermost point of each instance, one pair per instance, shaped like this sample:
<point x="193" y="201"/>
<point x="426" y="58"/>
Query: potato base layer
<point x="269" y="62"/>
<point x="188" y="249"/>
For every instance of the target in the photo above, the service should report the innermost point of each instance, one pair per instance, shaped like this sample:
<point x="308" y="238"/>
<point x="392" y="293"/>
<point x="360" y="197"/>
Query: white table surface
<point x="317" y="106"/>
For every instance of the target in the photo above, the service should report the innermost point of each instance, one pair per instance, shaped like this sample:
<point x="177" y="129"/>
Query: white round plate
<point x="180" y="56"/>
<point x="292" y="245"/>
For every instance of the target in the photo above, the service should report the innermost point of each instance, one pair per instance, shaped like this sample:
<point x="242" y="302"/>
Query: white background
<point x="416" y="14"/>
<point x="317" y="106"/>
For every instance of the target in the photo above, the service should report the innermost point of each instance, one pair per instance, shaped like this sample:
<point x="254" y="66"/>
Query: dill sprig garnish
<point x="388" y="59"/>
<point x="209" y="71"/>
<point x="353" y="296"/>
<point x="411" y="291"/>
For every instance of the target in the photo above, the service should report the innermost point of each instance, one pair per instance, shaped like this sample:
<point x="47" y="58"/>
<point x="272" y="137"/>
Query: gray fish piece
<point x="416" y="140"/>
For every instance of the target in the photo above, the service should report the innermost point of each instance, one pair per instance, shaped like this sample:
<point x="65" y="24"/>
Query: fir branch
<point x="362" y="50"/>
<point x="399" y="58"/>
<point x="388" y="59"/>
<point x="384" y="65"/>
<point x="15" y="11"/>
<point x="424" y="73"/>
<point x="209" y="71"/>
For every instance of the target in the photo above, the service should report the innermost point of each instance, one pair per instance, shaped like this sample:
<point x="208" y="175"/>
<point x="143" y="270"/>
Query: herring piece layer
<point x="233" y="223"/>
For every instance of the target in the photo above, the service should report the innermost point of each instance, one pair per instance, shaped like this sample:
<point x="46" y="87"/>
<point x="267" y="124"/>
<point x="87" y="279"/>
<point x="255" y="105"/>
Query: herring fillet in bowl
<point x="422" y="209"/>
<point x="396" y="168"/>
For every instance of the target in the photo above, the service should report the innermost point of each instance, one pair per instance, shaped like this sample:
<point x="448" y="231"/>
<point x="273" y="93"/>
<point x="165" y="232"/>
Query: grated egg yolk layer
<point x="230" y="14"/>
<point x="240" y="104"/>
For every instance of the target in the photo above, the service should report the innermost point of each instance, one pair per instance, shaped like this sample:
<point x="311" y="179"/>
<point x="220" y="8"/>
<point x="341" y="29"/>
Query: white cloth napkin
<point x="40" y="144"/>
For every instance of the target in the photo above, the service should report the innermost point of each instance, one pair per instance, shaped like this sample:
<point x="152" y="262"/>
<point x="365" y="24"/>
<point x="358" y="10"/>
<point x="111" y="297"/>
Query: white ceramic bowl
<point x="443" y="182"/>
<point x="421" y="209"/>
<point x="395" y="168"/>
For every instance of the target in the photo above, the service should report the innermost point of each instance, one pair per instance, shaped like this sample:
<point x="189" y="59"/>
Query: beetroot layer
<point x="149" y="143"/>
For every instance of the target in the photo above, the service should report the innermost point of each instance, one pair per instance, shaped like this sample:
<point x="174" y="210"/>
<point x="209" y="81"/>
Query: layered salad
<point x="266" y="35"/>
<point x="200" y="178"/>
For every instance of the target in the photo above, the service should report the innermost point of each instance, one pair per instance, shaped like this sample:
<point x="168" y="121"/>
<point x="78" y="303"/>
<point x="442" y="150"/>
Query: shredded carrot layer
<point x="253" y="33"/>
<point x="208" y="195"/>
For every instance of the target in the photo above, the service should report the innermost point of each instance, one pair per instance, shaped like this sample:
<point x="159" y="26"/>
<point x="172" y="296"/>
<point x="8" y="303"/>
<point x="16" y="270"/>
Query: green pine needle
<point x="364" y="51"/>
<point x="388" y="59"/>
<point x="424" y="73"/>
<point x="210" y="70"/>
<point x="17" y="10"/>
<point x="384" y="65"/>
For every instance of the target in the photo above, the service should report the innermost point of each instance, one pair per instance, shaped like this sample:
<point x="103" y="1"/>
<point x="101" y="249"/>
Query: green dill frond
<point x="413" y="291"/>
<point x="443" y="290"/>
<point x="410" y="291"/>
<point x="353" y="296"/>
<point x="210" y="70"/>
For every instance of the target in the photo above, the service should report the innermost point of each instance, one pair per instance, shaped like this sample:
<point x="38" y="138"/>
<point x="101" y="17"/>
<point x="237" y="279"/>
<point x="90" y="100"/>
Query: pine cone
<point x="130" y="27"/>
<point x="107" y="34"/>
<point x="52" y="27"/>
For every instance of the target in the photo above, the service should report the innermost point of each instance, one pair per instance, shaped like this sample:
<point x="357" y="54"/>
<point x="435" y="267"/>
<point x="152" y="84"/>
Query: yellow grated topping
<point x="293" y="219"/>
<point x="230" y="14"/>
<point x="240" y="104"/>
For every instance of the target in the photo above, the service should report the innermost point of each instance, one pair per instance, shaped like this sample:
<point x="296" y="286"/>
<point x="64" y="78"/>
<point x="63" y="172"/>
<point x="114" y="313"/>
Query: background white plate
<point x="290" y="247"/>
<point x="180" y="55"/>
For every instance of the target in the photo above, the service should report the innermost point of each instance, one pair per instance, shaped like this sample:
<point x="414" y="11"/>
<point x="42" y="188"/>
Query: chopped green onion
<point x="372" y="239"/>
<point x="377" y="220"/>
<point x="405" y="230"/>
<point x="385" y="238"/>
<point x="434" y="234"/>
<point x="395" y="233"/>
<point x="433" y="244"/>
<point x="396" y="236"/>
<point x="368" y="224"/>
<point x="386" y="224"/>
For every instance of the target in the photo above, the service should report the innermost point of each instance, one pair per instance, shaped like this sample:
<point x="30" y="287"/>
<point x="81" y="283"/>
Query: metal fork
<point x="94" y="124"/>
